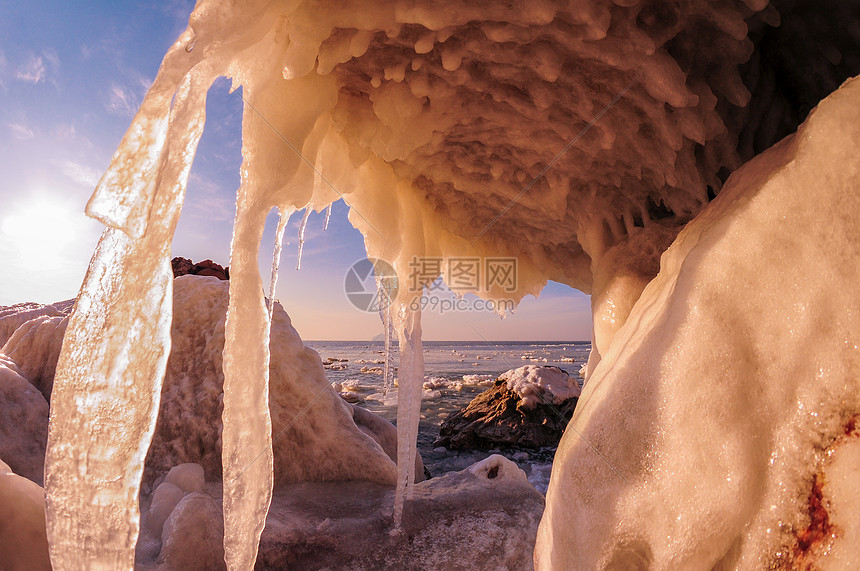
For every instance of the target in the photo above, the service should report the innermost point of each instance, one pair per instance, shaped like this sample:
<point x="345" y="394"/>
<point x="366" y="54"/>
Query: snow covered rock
<point x="35" y="347"/>
<point x="316" y="438"/>
<point x="183" y="526"/>
<point x="537" y="385"/>
<point x="23" y="540"/>
<point x="385" y="434"/>
<point x="13" y="316"/>
<point x="23" y="423"/>
<point x="528" y="407"/>
<point x="755" y="308"/>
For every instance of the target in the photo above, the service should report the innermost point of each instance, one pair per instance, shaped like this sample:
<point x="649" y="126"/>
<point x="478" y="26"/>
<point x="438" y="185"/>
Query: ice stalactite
<point x="283" y="220"/>
<point x="108" y="383"/>
<point x="410" y="376"/>
<point x="327" y="217"/>
<point x="247" y="434"/>
<point x="302" y="227"/>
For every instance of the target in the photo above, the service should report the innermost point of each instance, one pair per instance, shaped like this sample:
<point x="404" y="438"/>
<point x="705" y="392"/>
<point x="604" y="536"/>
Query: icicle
<point x="107" y="387"/>
<point x="410" y="378"/>
<point x="302" y="237"/>
<point x="327" y="217"/>
<point x="283" y="219"/>
<point x="246" y="452"/>
<point x="384" y="297"/>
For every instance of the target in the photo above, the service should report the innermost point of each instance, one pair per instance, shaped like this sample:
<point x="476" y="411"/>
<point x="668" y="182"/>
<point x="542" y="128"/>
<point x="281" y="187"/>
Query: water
<point x="455" y="372"/>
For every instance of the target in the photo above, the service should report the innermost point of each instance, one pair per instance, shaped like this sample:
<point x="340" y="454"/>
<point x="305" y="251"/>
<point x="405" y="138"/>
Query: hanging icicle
<point x="302" y="236"/>
<point x="410" y="375"/>
<point x="283" y="219"/>
<point x="327" y="217"/>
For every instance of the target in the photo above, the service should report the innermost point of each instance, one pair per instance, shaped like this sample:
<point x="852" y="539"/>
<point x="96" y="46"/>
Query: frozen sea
<point x="455" y="372"/>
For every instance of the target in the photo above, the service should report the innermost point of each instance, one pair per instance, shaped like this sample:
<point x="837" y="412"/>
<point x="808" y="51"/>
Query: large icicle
<point x="108" y="383"/>
<point x="410" y="378"/>
<point x="283" y="219"/>
<point x="247" y="434"/>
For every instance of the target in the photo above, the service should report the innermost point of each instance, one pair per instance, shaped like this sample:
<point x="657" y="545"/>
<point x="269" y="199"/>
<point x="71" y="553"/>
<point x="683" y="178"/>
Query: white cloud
<point x="81" y="174"/>
<point x="33" y="71"/>
<point x="208" y="200"/>
<point x="121" y="101"/>
<point x="20" y="131"/>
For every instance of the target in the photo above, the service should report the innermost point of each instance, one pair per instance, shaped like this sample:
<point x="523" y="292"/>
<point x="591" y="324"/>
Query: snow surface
<point x="541" y="385"/>
<point x="697" y="438"/>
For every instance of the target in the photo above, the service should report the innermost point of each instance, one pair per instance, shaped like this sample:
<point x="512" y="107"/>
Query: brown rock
<point x="181" y="266"/>
<point x="494" y="420"/>
<point x="184" y="266"/>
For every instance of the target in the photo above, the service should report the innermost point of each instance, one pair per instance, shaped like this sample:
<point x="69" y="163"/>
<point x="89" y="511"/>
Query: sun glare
<point x="41" y="231"/>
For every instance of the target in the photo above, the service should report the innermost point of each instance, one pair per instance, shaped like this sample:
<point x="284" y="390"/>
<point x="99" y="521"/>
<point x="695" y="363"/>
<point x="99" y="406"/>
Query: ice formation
<point x="715" y="410"/>
<point x="541" y="385"/>
<point x="576" y="137"/>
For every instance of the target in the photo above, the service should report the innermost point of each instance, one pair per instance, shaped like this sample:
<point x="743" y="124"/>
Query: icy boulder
<point x="316" y="438"/>
<point x="13" y="316"/>
<point x="700" y="439"/>
<point x="183" y="526"/>
<point x="23" y="423"/>
<point x="23" y="540"/>
<point x="35" y="347"/>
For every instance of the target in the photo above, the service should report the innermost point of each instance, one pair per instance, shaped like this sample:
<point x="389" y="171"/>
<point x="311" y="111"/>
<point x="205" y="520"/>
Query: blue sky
<point x="71" y="77"/>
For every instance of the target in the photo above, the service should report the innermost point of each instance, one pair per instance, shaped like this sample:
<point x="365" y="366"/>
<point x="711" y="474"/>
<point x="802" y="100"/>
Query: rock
<point x="187" y="477"/>
<point x="164" y="500"/>
<point x="385" y="434"/>
<point x="181" y="266"/>
<point x="23" y="423"/>
<point x="193" y="535"/>
<point x="184" y="266"/>
<point x="314" y="435"/>
<point x="23" y="539"/>
<point x="500" y="417"/>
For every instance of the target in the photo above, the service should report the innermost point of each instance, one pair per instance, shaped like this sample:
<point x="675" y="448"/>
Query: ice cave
<point x="693" y="166"/>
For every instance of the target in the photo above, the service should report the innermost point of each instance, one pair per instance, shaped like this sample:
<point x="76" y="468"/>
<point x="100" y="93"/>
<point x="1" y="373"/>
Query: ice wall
<point x="714" y="411"/>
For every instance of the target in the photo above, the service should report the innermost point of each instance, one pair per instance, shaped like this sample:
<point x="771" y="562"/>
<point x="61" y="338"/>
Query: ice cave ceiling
<point x="555" y="128"/>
